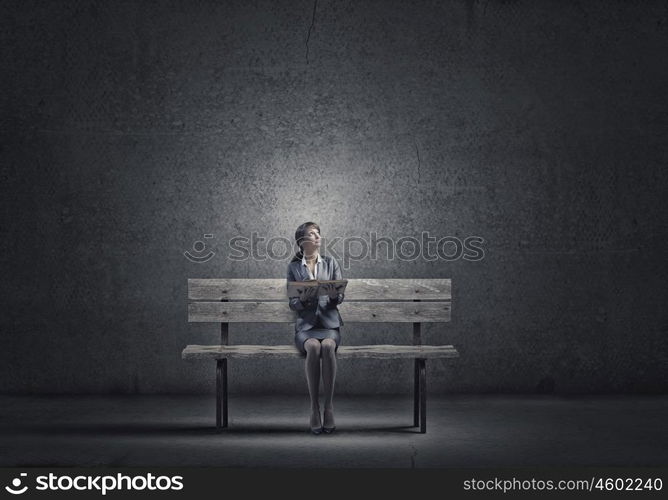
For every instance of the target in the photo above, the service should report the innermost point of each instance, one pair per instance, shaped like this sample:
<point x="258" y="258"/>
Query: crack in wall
<point x="417" y="151"/>
<point x="308" y="37"/>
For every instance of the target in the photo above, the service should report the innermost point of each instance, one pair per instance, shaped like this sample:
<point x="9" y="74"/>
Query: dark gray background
<point x="131" y="129"/>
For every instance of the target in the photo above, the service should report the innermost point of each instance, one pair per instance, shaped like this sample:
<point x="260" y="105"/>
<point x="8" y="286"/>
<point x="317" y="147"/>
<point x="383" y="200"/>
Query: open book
<point x="297" y="288"/>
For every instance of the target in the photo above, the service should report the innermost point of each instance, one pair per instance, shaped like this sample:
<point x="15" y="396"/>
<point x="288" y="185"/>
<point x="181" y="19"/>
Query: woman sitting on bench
<point x="317" y="327"/>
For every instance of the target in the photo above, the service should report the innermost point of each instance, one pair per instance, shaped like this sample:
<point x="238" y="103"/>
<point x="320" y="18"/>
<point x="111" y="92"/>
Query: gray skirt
<point x="317" y="333"/>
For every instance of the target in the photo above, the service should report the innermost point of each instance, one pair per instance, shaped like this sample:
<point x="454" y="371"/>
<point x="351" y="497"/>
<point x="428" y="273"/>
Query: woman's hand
<point x="308" y="294"/>
<point x="331" y="291"/>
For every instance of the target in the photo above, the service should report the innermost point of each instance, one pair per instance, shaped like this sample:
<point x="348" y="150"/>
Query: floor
<point x="372" y="432"/>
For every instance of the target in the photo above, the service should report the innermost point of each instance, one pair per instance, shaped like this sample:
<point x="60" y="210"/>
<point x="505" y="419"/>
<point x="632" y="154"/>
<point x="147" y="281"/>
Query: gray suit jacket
<point x="322" y="308"/>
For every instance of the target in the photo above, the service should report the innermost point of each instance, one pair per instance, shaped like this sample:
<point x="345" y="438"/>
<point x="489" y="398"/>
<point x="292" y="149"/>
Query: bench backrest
<point x="366" y="300"/>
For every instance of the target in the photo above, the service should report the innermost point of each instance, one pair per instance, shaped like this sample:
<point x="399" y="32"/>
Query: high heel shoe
<point x="329" y="426"/>
<point x="316" y="423"/>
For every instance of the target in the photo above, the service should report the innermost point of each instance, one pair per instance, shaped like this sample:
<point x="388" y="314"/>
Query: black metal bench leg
<point x="225" y="405"/>
<point x="423" y="395"/>
<point x="221" y="393"/>
<point x="416" y="393"/>
<point x="219" y="396"/>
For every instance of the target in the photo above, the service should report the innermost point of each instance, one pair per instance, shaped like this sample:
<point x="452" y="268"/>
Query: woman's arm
<point x="333" y="302"/>
<point x="295" y="302"/>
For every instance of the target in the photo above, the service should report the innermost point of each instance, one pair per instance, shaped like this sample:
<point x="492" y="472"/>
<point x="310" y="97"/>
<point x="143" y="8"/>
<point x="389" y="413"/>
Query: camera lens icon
<point x="199" y="256"/>
<point x="15" y="488"/>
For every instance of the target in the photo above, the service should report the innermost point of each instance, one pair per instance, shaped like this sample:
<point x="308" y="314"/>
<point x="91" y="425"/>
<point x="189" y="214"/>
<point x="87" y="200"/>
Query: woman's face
<point x="311" y="241"/>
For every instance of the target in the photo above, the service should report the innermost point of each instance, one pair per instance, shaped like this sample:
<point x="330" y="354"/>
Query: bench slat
<point x="357" y="289"/>
<point x="380" y="351"/>
<point x="279" y="312"/>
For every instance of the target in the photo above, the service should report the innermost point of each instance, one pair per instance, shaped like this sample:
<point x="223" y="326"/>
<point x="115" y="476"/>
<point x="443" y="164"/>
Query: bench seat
<point x="379" y="351"/>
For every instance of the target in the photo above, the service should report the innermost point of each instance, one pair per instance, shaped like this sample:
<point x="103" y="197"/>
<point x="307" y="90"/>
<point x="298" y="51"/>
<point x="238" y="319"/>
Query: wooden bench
<point x="413" y="301"/>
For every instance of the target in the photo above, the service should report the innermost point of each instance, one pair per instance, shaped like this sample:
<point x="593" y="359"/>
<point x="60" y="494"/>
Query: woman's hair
<point x="299" y="236"/>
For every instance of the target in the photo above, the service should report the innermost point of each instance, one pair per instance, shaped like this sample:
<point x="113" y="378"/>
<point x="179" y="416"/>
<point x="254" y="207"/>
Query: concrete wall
<point x="131" y="129"/>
